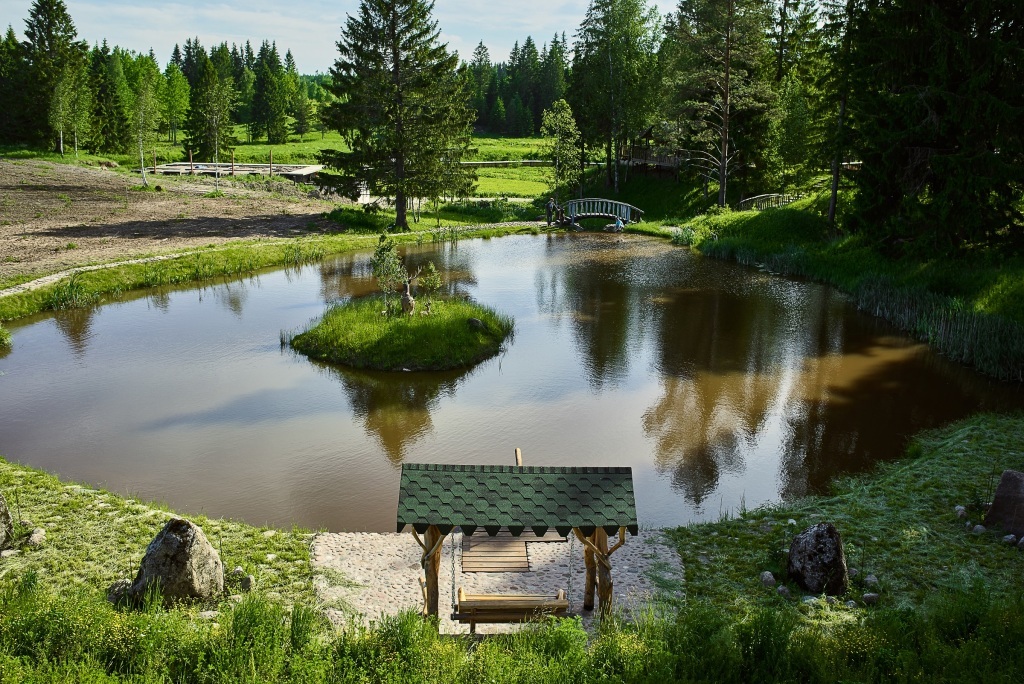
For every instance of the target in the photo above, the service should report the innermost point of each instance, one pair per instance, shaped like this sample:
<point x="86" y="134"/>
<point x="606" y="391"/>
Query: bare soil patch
<point x="54" y="216"/>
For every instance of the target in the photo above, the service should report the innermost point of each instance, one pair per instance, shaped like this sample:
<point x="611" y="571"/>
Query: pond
<point x="721" y="386"/>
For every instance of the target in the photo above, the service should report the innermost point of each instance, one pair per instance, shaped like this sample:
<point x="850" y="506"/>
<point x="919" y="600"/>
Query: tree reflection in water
<point x="395" y="408"/>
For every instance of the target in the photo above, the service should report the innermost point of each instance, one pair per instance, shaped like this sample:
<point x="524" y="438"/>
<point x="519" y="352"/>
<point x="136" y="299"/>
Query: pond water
<point x="720" y="386"/>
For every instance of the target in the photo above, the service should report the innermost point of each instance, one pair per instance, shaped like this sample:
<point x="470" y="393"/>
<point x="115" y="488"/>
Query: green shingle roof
<point x="516" y="497"/>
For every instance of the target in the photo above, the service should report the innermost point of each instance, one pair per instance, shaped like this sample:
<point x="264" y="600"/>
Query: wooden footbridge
<point x="593" y="207"/>
<point x="770" y="201"/>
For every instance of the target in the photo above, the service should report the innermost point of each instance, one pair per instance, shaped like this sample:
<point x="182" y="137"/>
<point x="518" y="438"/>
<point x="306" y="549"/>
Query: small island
<point x="454" y="334"/>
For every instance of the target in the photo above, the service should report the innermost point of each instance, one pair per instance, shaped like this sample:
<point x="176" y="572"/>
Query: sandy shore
<point x="383" y="570"/>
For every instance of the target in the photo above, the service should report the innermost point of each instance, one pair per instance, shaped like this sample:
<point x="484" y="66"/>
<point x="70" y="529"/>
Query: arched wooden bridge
<point x="593" y="207"/>
<point x="762" y="202"/>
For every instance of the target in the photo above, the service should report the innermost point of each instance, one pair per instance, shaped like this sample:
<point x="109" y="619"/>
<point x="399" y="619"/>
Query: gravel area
<point x="381" y="576"/>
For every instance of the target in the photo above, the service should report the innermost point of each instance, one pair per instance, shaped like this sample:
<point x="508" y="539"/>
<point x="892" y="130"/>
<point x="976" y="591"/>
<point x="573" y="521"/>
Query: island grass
<point x="360" y="335"/>
<point x="5" y="338"/>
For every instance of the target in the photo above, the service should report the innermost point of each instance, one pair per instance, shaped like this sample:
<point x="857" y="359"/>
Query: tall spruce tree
<point x="719" y="83"/>
<point x="208" y="124"/>
<point x="110" y="131"/>
<point x="49" y="46"/>
<point x="939" y="111"/>
<point x="13" y="77"/>
<point x="402" y="108"/>
<point x="617" y="68"/>
<point x="270" y="96"/>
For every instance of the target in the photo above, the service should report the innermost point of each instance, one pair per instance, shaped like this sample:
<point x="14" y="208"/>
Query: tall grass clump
<point x="5" y="338"/>
<point x="70" y="294"/>
<point x="366" y="334"/>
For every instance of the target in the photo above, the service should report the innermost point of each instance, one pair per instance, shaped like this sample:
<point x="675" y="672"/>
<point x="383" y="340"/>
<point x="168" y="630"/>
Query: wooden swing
<point x="589" y="502"/>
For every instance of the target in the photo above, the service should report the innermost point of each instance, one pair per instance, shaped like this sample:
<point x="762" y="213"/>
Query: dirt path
<point x="55" y="217"/>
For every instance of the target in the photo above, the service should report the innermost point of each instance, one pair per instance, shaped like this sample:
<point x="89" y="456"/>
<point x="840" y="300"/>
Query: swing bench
<point x="472" y="609"/>
<point x="590" y="502"/>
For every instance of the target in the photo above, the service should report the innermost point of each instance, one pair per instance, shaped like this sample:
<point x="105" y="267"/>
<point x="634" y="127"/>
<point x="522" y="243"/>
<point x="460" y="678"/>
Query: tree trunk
<point x="142" y="162"/>
<point x="604" y="574"/>
<point x="723" y="161"/>
<point x="432" y="569"/>
<point x="836" y="164"/>
<point x="61" y="143"/>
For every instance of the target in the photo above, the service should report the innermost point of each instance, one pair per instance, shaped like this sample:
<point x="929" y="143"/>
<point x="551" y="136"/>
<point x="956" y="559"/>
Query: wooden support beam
<point x="604" y="573"/>
<point x="519" y="457"/>
<point x="599" y="568"/>
<point x="431" y="567"/>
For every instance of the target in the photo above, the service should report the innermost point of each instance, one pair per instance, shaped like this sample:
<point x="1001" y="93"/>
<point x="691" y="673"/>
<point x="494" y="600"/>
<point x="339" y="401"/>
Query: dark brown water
<point x="720" y="386"/>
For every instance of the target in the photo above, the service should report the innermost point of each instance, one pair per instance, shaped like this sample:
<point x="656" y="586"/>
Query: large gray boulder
<point x="6" y="524"/>
<point x="1007" y="510"/>
<point x="817" y="562"/>
<point x="183" y="561"/>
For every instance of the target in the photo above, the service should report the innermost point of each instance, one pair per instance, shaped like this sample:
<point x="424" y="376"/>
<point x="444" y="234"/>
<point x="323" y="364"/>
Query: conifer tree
<point x="402" y="107"/>
<point x="110" y="126"/>
<point x="270" y="96"/>
<point x="208" y="124"/>
<point x="718" y="81"/>
<point x="617" y="65"/>
<point x="49" y="46"/>
<point x="13" y="75"/>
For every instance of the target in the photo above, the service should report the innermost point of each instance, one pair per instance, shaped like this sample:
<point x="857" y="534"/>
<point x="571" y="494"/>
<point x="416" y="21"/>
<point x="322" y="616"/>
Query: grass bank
<point x="949" y="611"/>
<point x="87" y="288"/>
<point x="95" y="537"/>
<point x="357" y="334"/>
<point x="897" y="523"/>
<point x="970" y="308"/>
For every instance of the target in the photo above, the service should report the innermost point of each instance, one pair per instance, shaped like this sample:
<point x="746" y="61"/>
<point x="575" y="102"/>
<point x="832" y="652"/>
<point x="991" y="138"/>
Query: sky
<point x="309" y="28"/>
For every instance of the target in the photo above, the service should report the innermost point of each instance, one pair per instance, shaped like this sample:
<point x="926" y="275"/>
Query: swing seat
<point x="492" y="608"/>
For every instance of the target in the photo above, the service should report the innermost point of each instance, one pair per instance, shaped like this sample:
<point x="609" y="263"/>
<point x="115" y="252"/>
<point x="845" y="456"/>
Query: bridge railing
<point x="770" y="201"/>
<point x="593" y="207"/>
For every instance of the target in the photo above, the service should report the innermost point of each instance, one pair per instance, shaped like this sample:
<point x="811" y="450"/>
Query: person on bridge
<point x="550" y="208"/>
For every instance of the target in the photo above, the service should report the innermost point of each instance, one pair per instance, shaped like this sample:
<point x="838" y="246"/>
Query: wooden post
<point x="191" y="167"/>
<point x="271" y="163"/>
<point x="232" y="162"/>
<point x="432" y="566"/>
<point x="154" y="161"/>
<point x="604" y="573"/>
<point x="519" y="457"/>
<point x="591" y="577"/>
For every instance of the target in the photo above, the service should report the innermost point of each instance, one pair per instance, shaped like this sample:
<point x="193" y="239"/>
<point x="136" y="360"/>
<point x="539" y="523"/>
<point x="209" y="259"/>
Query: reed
<point x="71" y="294"/>
<point x="6" y="340"/>
<point x="967" y="309"/>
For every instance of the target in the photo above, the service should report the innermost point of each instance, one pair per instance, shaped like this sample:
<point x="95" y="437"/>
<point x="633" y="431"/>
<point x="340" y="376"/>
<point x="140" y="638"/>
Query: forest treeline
<point x="918" y="100"/>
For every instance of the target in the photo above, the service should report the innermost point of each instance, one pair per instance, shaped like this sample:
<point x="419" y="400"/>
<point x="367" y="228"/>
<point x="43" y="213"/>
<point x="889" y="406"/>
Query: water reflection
<point x="395" y="408"/>
<point x="715" y="384"/>
<point x="788" y="374"/>
<point x="76" y="326"/>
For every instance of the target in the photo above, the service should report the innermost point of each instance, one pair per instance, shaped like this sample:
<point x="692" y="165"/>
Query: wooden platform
<point x="501" y="553"/>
